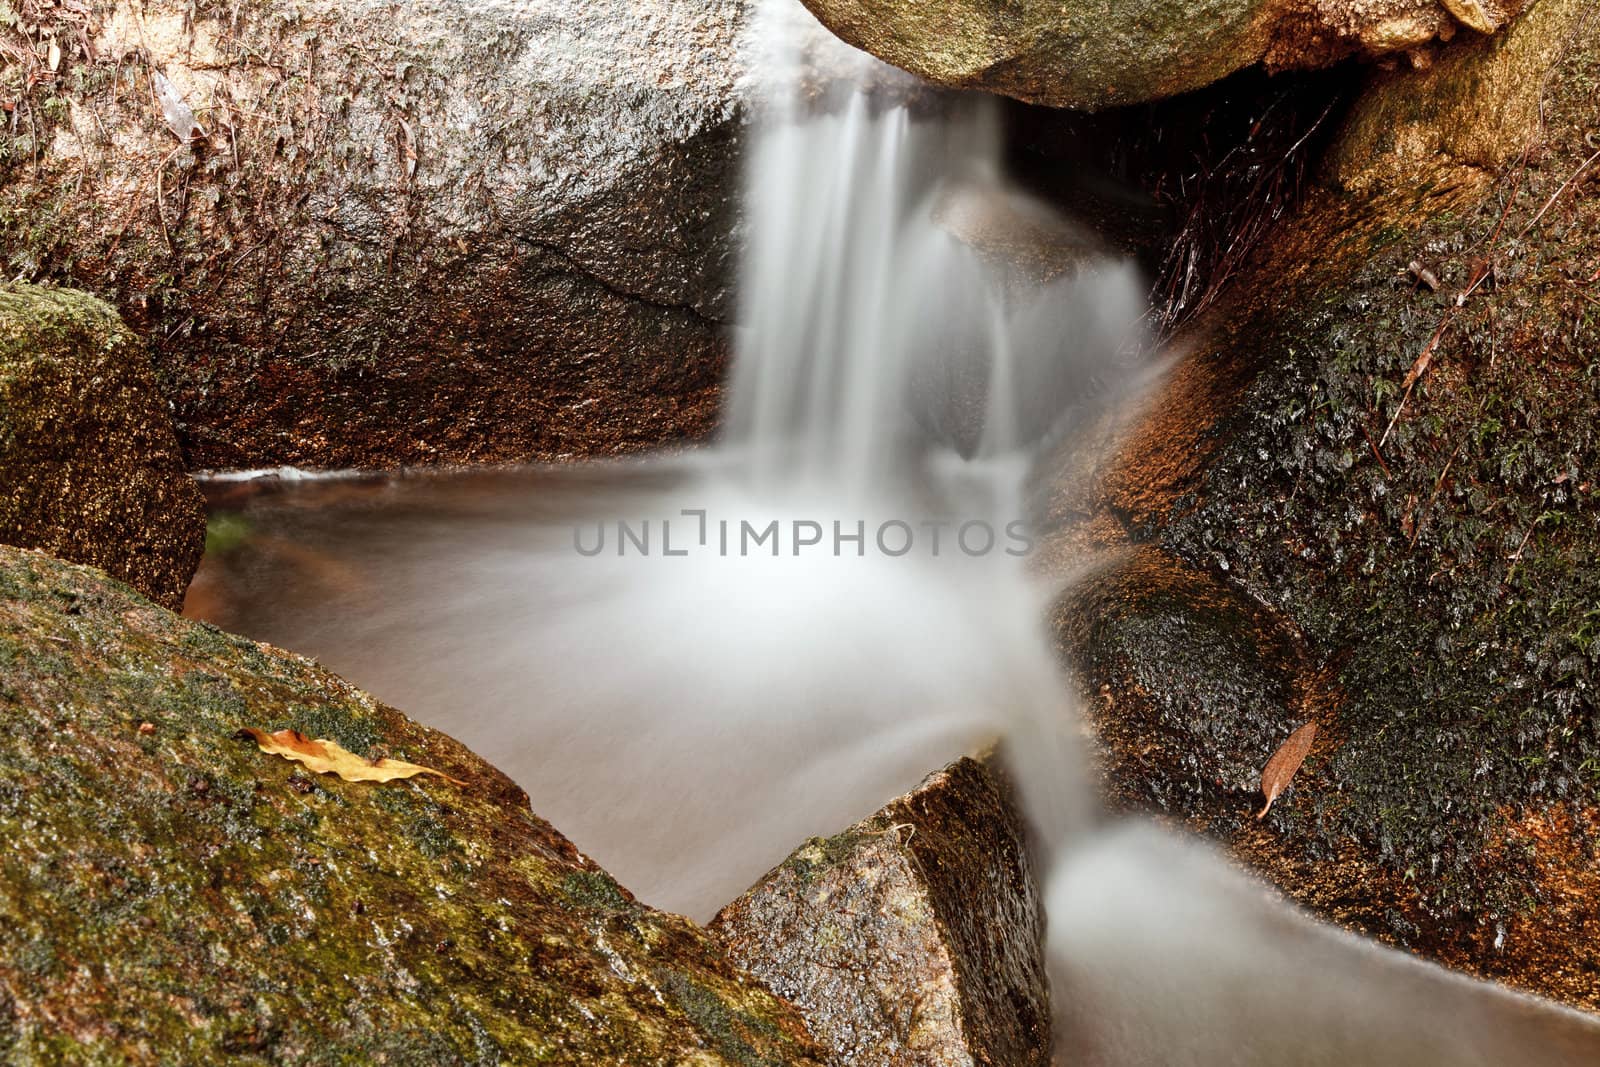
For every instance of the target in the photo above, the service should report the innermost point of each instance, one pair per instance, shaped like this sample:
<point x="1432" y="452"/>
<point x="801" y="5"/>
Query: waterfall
<point x="862" y="285"/>
<point x="881" y="327"/>
<point x="693" y="665"/>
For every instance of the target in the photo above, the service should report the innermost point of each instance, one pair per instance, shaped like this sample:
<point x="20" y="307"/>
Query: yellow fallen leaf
<point x="329" y="757"/>
<point x="1284" y="762"/>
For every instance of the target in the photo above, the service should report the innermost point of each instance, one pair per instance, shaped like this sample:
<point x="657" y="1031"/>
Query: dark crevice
<point x="1190" y="185"/>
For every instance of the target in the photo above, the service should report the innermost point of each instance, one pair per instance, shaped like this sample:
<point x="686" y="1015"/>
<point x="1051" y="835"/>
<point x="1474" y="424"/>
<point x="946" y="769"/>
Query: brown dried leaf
<point x="1423" y="362"/>
<point x="408" y="147"/>
<point x="1284" y="762"/>
<point x="1482" y="270"/>
<point x="329" y="757"/>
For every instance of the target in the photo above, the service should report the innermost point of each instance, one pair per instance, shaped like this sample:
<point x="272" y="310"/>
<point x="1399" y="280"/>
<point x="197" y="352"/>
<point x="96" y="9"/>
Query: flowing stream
<point x="694" y="663"/>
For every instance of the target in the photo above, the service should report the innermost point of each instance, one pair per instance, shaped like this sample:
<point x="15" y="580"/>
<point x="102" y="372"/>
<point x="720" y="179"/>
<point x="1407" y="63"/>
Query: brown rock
<point x="437" y="231"/>
<point x="1097" y="53"/>
<point x="914" y="937"/>
<point x="89" y="467"/>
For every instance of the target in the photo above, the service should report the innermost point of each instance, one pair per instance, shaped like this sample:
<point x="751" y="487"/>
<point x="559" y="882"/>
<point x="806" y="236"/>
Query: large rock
<point x="1207" y="682"/>
<point x="169" y="893"/>
<point x="392" y="233"/>
<point x="89" y="468"/>
<point x="914" y="937"/>
<point x="1368" y="498"/>
<point x="1097" y="53"/>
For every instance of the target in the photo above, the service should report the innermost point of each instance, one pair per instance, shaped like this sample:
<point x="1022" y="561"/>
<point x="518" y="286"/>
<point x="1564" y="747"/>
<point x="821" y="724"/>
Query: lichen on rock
<point x="168" y="893"/>
<point x="915" y="936"/>
<point x="89" y="467"/>
<point x="1099" y="53"/>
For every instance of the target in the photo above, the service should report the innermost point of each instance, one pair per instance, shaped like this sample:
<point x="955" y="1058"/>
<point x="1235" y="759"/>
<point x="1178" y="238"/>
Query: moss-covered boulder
<point x="1097" y="53"/>
<point x="361" y="233"/>
<point x="915" y="936"/>
<point x="1206" y="682"/>
<point x="1370" y="497"/>
<point x="89" y="468"/>
<point x="170" y="894"/>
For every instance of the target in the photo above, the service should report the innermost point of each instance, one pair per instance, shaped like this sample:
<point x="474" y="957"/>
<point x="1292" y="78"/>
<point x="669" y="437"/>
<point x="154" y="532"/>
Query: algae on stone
<point x="89" y="467"/>
<point x="1430" y="561"/>
<point x="169" y="894"/>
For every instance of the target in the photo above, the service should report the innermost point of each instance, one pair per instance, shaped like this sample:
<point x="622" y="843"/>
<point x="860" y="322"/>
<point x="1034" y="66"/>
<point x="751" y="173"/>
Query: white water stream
<point x="693" y="665"/>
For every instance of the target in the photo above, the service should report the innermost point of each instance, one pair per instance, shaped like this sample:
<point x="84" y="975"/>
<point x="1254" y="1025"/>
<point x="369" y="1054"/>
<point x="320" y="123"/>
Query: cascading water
<point x="1158" y="952"/>
<point x="691" y="666"/>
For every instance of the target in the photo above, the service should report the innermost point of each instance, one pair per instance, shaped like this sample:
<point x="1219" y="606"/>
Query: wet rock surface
<point x="914" y="937"/>
<point x="1206" y="684"/>
<point x="1098" y="53"/>
<point x="168" y="892"/>
<point x="1417" y="536"/>
<point x="89" y="467"/>
<point x="357" y="234"/>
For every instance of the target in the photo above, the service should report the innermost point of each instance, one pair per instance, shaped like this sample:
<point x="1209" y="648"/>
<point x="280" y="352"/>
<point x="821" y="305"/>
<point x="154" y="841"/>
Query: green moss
<point x="333" y="720"/>
<point x="423" y="819"/>
<point x="594" y="889"/>
<point x="821" y="854"/>
<point x="235" y="908"/>
<point x="89" y="466"/>
<point x="728" y="1028"/>
<point x="1446" y="570"/>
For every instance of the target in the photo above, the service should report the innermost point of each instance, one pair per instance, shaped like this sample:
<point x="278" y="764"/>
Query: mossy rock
<point x="170" y="894"/>
<point x="914" y="936"/>
<point x="1206" y="681"/>
<point x="1424" y="531"/>
<point x="89" y="467"/>
<point x="1098" y="53"/>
